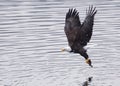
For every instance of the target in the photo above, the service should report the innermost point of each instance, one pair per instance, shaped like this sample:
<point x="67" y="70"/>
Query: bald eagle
<point x="79" y="34"/>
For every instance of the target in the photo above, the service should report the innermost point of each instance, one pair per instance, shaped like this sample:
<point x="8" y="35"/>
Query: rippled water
<point x="31" y="36"/>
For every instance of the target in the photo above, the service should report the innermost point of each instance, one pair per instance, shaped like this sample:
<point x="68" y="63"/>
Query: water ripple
<point x="32" y="34"/>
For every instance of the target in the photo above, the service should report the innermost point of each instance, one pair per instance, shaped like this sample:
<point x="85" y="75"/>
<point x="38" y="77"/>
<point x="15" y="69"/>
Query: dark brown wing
<point x="72" y="25"/>
<point x="87" y="26"/>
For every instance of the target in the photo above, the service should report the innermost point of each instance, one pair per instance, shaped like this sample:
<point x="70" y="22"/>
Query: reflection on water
<point x="88" y="81"/>
<point x="31" y="36"/>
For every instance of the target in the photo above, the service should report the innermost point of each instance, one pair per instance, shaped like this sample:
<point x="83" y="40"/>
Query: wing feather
<point x="72" y="25"/>
<point x="87" y="25"/>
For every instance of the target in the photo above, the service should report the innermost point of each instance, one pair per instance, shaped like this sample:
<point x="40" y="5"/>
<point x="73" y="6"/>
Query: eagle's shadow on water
<point x="87" y="82"/>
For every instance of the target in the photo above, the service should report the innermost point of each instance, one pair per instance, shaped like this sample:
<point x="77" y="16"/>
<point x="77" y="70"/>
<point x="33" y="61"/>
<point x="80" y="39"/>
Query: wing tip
<point x="91" y="10"/>
<point x="72" y="12"/>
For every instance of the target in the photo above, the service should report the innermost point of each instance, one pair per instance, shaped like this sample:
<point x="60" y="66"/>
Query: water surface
<point x="31" y="36"/>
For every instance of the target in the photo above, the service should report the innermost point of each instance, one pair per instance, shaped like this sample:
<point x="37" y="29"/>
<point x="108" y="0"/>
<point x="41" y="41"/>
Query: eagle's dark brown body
<point x="78" y="34"/>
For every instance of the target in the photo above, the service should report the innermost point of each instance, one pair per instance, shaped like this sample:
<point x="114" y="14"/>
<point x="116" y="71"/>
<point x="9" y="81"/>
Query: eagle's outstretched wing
<point x="87" y="26"/>
<point x="72" y="25"/>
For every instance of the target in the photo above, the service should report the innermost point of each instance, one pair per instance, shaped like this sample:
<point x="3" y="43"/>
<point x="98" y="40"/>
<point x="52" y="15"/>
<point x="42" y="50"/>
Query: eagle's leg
<point x="83" y="53"/>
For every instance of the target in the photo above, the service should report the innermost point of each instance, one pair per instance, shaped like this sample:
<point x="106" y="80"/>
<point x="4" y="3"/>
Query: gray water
<point x="32" y="35"/>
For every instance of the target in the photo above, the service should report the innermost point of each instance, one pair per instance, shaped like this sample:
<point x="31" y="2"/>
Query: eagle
<point x="79" y="34"/>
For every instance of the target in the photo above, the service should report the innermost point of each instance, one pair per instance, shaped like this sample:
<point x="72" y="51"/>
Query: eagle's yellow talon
<point x="87" y="61"/>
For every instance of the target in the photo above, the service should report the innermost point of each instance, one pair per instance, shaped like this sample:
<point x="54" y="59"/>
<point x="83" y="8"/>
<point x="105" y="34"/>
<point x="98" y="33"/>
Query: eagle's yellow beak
<point x="88" y="61"/>
<point x="63" y="49"/>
